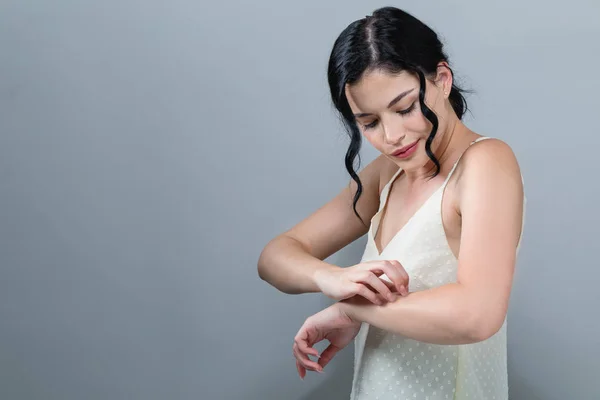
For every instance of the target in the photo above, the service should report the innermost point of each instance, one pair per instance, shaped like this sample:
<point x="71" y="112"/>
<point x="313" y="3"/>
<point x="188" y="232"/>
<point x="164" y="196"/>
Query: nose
<point x="393" y="134"/>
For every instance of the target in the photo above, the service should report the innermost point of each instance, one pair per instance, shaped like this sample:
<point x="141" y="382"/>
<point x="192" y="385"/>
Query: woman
<point x="427" y="304"/>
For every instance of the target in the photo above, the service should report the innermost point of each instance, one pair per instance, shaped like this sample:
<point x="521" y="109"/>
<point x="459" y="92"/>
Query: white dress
<point x="391" y="367"/>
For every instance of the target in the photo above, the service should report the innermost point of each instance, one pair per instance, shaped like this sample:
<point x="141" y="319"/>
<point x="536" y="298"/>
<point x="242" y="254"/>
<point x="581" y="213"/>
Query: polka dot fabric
<point x="391" y="367"/>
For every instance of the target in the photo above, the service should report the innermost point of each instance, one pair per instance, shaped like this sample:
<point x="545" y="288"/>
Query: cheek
<point x="418" y="123"/>
<point x="374" y="138"/>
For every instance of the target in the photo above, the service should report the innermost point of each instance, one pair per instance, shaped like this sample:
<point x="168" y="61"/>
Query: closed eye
<point x="401" y="112"/>
<point x="371" y="125"/>
<point x="408" y="110"/>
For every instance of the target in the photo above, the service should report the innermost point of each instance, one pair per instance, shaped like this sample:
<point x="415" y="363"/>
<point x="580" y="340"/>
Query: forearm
<point x="288" y="266"/>
<point x="443" y="315"/>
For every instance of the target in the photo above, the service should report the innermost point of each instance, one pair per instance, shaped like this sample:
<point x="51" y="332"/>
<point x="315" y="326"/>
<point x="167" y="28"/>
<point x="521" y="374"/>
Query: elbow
<point x="261" y="273"/>
<point x="261" y="265"/>
<point x="266" y="266"/>
<point x="481" y="326"/>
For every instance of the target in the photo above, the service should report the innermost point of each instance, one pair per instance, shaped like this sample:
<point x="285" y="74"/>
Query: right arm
<point x="293" y="262"/>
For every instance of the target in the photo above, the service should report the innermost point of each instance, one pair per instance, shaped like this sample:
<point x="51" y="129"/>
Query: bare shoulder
<point x="493" y="156"/>
<point x="489" y="162"/>
<point x="490" y="166"/>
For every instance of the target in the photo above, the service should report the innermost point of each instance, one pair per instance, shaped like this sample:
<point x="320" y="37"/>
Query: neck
<point x="447" y="146"/>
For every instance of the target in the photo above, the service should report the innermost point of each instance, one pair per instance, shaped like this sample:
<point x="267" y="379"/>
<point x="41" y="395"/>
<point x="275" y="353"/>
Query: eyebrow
<point x="394" y="101"/>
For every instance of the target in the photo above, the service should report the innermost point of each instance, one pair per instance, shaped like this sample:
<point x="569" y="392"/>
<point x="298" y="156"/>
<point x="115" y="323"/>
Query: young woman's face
<point x="387" y="111"/>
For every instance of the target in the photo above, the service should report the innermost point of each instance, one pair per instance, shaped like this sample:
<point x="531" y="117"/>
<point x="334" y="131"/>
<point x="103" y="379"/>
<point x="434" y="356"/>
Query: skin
<point x="481" y="213"/>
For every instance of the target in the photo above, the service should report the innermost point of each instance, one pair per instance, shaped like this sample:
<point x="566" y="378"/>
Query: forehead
<point x="377" y="88"/>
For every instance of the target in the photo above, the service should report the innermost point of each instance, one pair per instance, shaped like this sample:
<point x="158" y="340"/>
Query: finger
<point x="394" y="270"/>
<point x="301" y="370"/>
<point x="378" y="285"/>
<point x="384" y="267"/>
<point x="404" y="276"/>
<point x="381" y="297"/>
<point x="400" y="268"/>
<point x="327" y="355"/>
<point x="363" y="291"/>
<point x="306" y="362"/>
<point x="403" y="290"/>
<point x="403" y="272"/>
<point x="391" y="285"/>
<point x="302" y="344"/>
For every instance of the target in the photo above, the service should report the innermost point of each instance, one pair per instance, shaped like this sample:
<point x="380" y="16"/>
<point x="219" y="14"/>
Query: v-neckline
<point x="378" y="216"/>
<point x="388" y="187"/>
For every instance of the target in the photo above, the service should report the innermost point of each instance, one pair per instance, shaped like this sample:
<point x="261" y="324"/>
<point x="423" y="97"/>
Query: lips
<point x="404" y="149"/>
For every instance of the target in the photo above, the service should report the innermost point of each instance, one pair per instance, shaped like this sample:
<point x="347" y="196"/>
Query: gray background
<point x="148" y="151"/>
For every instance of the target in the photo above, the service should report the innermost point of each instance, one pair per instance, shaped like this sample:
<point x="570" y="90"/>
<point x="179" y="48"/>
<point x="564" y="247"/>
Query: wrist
<point x="347" y="308"/>
<point x="356" y="307"/>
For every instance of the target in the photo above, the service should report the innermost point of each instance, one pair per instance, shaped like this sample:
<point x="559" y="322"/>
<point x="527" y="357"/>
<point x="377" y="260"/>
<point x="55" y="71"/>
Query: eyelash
<point x="402" y="112"/>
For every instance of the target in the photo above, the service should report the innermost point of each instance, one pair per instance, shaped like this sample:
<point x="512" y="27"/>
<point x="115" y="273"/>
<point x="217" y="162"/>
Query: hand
<point x="332" y="324"/>
<point x="364" y="280"/>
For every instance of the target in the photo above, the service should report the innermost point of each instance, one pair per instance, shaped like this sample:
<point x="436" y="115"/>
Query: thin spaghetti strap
<point x="386" y="190"/>
<point x="394" y="177"/>
<point x="459" y="157"/>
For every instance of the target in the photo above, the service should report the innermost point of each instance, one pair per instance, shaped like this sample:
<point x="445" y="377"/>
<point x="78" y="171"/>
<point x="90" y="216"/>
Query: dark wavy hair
<point x="391" y="40"/>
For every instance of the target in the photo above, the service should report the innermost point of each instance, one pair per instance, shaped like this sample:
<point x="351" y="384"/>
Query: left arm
<point x="473" y="308"/>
